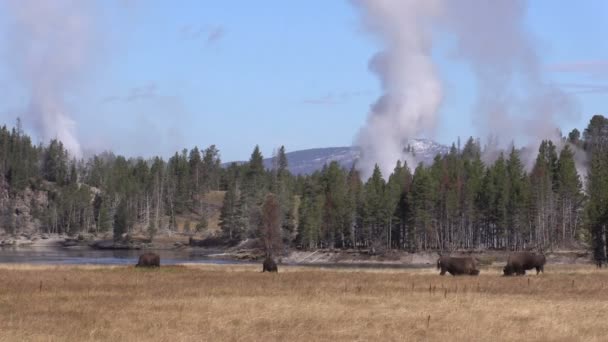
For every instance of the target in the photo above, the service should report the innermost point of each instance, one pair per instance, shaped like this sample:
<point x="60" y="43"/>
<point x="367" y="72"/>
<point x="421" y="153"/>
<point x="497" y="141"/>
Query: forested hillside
<point x="456" y="202"/>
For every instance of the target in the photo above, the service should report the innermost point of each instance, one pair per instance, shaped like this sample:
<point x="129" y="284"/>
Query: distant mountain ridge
<point x="305" y="162"/>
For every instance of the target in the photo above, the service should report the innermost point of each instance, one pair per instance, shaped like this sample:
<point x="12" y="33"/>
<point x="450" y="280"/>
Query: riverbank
<point x="95" y="241"/>
<point x="181" y="248"/>
<point x="238" y="302"/>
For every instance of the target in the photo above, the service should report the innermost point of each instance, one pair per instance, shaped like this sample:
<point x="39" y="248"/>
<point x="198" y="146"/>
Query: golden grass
<point x="238" y="303"/>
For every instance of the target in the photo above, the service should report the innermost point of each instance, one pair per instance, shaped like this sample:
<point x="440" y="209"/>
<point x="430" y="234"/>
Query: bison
<point x="457" y="265"/>
<point x="519" y="262"/>
<point x="148" y="259"/>
<point x="269" y="265"/>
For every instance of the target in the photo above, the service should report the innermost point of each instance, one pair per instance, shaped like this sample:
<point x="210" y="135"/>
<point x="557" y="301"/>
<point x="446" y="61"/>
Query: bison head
<point x="508" y="270"/>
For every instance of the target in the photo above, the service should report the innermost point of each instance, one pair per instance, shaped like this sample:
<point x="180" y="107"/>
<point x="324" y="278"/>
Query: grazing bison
<point x="519" y="262"/>
<point x="148" y="259"/>
<point x="457" y="265"/>
<point x="269" y="265"/>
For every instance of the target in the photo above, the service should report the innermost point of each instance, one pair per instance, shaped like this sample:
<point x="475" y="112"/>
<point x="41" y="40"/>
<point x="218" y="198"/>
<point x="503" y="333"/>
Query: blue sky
<point x="161" y="76"/>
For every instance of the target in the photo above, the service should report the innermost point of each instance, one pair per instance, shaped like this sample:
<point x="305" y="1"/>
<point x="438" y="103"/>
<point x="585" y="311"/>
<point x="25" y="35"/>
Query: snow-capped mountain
<point x="309" y="161"/>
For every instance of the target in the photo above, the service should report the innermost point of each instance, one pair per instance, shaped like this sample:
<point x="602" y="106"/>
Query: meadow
<point x="238" y="303"/>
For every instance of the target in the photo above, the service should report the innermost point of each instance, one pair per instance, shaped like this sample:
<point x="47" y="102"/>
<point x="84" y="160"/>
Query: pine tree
<point x="597" y="217"/>
<point x="281" y="186"/>
<point x="354" y="207"/>
<point x="422" y="199"/>
<point x="596" y="143"/>
<point x="516" y="202"/>
<point x="398" y="187"/>
<point x="121" y="220"/>
<point x="376" y="210"/>
<point x="54" y="167"/>
<point x="543" y="180"/>
<point x="569" y="195"/>
<point x="471" y="198"/>
<point x="195" y="167"/>
<point x="228" y="215"/>
<point x="310" y="215"/>
<point x="211" y="169"/>
<point x="254" y="176"/>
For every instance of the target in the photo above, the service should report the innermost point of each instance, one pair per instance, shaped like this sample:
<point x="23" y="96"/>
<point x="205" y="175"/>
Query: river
<point x="59" y="256"/>
<point x="87" y="256"/>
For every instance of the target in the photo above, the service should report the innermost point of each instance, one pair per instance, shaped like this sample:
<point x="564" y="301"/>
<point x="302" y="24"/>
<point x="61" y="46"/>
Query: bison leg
<point x="442" y="272"/>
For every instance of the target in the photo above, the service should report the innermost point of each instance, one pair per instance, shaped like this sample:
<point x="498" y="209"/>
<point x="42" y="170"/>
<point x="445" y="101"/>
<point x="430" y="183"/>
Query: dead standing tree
<point x="270" y="227"/>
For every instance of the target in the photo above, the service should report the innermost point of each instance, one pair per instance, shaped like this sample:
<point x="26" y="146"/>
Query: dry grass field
<point x="238" y="303"/>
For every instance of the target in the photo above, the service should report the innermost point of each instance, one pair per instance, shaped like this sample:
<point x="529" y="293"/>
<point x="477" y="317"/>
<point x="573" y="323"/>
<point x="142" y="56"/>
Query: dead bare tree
<point x="270" y="227"/>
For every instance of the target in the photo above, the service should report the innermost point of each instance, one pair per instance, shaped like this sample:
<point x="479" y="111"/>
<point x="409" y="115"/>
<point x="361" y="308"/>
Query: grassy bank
<point x="218" y="303"/>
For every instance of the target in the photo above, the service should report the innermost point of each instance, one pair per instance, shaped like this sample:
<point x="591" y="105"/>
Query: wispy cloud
<point x="143" y="92"/>
<point x="216" y="34"/>
<point x="327" y="100"/>
<point x="210" y="35"/>
<point x="591" y="67"/>
<point x="330" y="99"/>
<point x="585" y="88"/>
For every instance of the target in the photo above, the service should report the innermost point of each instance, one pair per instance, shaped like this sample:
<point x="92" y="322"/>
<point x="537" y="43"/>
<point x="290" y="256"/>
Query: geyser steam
<point x="411" y="89"/>
<point x="49" y="45"/>
<point x="514" y="102"/>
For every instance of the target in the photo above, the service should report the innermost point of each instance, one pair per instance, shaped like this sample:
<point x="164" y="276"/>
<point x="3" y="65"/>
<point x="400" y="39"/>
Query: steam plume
<point x="50" y="41"/>
<point x="411" y="89"/>
<point x="514" y="101"/>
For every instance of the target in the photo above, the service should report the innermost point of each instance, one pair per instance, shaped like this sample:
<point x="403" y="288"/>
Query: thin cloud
<point x="585" y="88"/>
<point x="330" y="99"/>
<point x="210" y="35"/>
<point x="215" y="35"/>
<point x="138" y="93"/>
<point x="326" y="100"/>
<point x="141" y="93"/>
<point x="591" y="67"/>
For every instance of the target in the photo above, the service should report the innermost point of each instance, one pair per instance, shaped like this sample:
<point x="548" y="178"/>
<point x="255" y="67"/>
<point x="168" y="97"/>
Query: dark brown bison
<point x="148" y="259"/>
<point x="269" y="265"/>
<point x="519" y="262"/>
<point x="457" y="265"/>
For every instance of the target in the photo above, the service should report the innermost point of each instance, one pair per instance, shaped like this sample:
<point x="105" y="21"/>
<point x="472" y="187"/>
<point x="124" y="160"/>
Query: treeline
<point x="101" y="194"/>
<point x="456" y="202"/>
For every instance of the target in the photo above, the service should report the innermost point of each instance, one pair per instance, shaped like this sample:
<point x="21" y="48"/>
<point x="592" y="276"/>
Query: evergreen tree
<point x="195" y="167"/>
<point x="422" y="199"/>
<point x="516" y="200"/>
<point x="398" y="186"/>
<point x="376" y="211"/>
<point x="569" y="195"/>
<point x="596" y="143"/>
<point x="310" y="216"/>
<point x="211" y="169"/>
<point x="354" y="207"/>
<point x="228" y="215"/>
<point x="122" y="222"/>
<point x="54" y="167"/>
